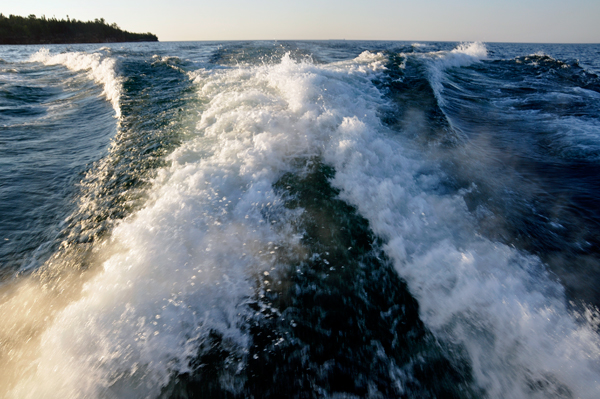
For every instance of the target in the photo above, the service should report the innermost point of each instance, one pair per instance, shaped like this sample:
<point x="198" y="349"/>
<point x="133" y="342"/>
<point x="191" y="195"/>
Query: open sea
<point x="330" y="219"/>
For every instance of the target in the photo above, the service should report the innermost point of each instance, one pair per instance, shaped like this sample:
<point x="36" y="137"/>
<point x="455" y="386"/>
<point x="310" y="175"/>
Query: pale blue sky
<point x="577" y="21"/>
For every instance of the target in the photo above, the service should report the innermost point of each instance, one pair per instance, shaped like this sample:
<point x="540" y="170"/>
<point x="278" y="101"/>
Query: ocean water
<point x="330" y="219"/>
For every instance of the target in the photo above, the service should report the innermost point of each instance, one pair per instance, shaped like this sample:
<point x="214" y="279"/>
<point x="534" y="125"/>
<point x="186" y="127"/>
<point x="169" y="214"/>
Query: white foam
<point x="438" y="62"/>
<point x="101" y="69"/>
<point x="186" y="263"/>
<point x="497" y="303"/>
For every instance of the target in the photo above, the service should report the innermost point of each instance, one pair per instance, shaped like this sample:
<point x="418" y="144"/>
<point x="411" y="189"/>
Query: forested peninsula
<point x="32" y="30"/>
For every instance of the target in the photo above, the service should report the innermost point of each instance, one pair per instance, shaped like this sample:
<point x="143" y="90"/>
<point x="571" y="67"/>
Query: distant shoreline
<point x="32" y="30"/>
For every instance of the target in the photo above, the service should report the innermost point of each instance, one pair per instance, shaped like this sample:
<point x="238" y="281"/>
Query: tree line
<point x="32" y="30"/>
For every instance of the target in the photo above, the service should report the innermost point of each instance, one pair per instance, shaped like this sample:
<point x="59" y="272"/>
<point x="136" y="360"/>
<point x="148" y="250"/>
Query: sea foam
<point x="186" y="265"/>
<point x="101" y="69"/>
<point x="438" y="62"/>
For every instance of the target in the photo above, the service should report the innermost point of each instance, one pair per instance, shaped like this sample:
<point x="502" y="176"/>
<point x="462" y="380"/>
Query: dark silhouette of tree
<point x="32" y="30"/>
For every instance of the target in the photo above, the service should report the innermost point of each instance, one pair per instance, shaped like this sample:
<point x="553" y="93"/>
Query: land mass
<point x="32" y="30"/>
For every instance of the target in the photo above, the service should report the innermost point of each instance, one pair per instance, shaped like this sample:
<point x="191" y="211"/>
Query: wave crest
<point x="101" y="69"/>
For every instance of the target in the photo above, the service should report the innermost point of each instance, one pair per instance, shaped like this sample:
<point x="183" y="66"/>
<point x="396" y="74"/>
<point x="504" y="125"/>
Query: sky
<point x="533" y="21"/>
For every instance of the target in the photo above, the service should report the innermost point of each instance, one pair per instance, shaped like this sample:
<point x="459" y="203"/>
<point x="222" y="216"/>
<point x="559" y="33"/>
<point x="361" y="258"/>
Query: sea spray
<point x="100" y="68"/>
<point x="499" y="304"/>
<point x="182" y="283"/>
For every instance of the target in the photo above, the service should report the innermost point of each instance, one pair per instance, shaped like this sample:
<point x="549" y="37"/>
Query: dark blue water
<point x="300" y="219"/>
